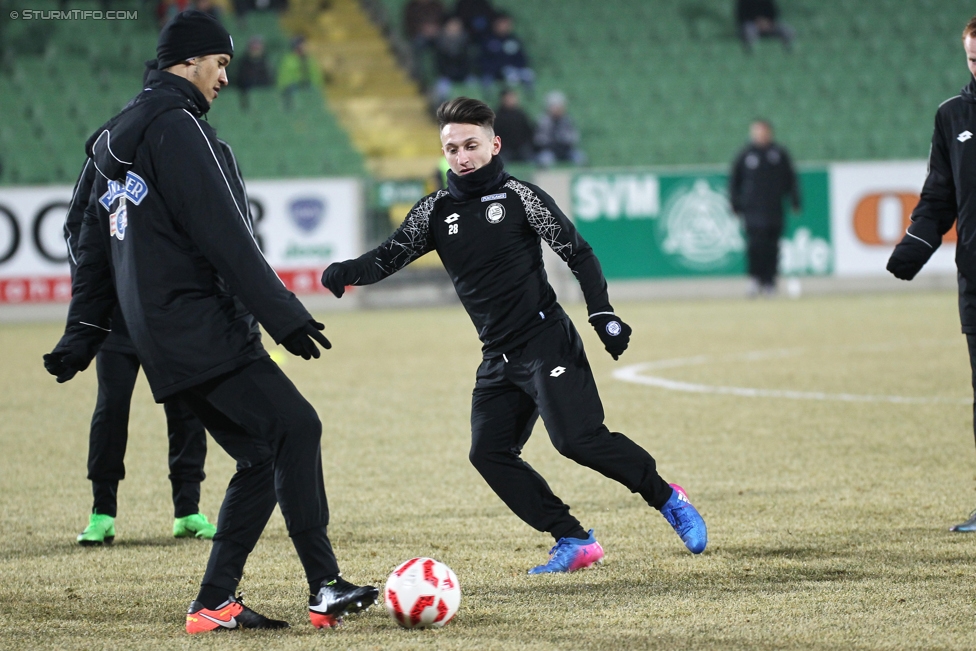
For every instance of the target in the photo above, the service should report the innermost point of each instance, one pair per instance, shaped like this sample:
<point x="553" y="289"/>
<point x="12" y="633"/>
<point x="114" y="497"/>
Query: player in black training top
<point x="487" y="228"/>
<point x="949" y="198"/>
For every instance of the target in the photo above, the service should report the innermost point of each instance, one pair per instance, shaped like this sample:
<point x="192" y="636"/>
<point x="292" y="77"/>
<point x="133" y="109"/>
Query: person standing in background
<point x="556" y="136"/>
<point x="253" y="71"/>
<point x="297" y="71"/>
<point x="762" y="178"/>
<point x="515" y="128"/>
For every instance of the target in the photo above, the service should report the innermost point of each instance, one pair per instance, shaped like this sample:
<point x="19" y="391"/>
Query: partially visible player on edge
<point x="117" y="367"/>
<point x="167" y="241"/>
<point x="487" y="228"/>
<point x="949" y="196"/>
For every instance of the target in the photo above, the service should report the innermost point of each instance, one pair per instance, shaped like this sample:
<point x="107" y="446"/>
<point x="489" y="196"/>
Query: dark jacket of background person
<point x="118" y="340"/>
<point x="184" y="251"/>
<point x="747" y="10"/>
<point x="762" y="177"/>
<point x="453" y="52"/>
<point x="515" y="128"/>
<point x="500" y="52"/>
<point x="949" y="192"/>
<point x="418" y="13"/>
<point x="477" y="16"/>
<point x="253" y="70"/>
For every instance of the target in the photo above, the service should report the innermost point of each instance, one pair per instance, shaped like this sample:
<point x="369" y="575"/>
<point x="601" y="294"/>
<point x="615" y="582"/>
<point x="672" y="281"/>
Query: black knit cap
<point x="192" y="34"/>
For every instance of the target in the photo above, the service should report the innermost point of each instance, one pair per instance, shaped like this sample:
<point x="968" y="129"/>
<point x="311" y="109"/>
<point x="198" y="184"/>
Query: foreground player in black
<point x="949" y="196"/>
<point x="488" y="228"/>
<point x="167" y="241"/>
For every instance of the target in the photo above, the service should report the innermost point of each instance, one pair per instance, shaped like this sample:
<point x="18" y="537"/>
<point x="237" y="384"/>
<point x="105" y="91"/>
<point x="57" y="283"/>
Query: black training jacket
<point x="949" y="192"/>
<point x="118" y="340"/>
<point x="761" y="178"/>
<point x="166" y="236"/>
<point x="487" y="229"/>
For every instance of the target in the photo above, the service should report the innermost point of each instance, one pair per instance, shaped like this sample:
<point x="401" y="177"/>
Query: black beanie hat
<point x="191" y="34"/>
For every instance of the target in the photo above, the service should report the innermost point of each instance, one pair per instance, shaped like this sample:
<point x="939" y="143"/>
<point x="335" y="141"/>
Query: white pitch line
<point x="633" y="373"/>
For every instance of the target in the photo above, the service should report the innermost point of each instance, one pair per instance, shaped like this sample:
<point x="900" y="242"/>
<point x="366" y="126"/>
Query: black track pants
<point x="109" y="435"/>
<point x="967" y="315"/>
<point x="971" y="342"/>
<point x="550" y="376"/>
<point x="261" y="420"/>
<point x="762" y="252"/>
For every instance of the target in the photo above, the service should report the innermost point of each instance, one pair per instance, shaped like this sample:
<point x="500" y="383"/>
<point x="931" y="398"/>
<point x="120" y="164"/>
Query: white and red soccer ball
<point x="422" y="593"/>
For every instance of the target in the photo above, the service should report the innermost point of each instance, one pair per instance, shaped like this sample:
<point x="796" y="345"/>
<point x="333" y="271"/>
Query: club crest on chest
<point x="495" y="213"/>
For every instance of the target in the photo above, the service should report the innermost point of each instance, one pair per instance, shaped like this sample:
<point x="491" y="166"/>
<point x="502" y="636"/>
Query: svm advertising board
<point x="301" y="226"/>
<point x="662" y="224"/>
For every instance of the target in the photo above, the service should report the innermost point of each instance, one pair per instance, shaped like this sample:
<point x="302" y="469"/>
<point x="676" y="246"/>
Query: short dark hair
<point x="464" y="110"/>
<point x="970" y="28"/>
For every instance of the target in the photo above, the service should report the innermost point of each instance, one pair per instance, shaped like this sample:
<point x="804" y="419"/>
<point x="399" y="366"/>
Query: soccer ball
<point x="422" y="593"/>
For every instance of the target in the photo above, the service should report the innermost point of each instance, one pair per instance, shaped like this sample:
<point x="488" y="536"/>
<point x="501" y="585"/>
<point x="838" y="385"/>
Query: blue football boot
<point x="571" y="554"/>
<point x="685" y="520"/>
<point x="968" y="526"/>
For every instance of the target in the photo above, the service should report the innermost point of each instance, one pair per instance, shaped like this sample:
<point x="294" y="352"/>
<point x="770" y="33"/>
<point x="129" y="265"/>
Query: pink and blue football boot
<point x="685" y="520"/>
<point x="571" y="554"/>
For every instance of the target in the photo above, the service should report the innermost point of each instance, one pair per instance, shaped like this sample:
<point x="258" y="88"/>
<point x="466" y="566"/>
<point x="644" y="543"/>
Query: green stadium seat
<point x="75" y="79"/>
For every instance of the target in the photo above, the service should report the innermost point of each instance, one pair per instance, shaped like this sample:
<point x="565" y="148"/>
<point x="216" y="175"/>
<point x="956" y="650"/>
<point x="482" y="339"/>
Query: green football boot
<point x="193" y="526"/>
<point x="100" y="531"/>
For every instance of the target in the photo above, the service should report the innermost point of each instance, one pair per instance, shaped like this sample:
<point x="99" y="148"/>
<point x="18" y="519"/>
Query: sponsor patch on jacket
<point x="135" y="190"/>
<point x="493" y="197"/>
<point x="118" y="221"/>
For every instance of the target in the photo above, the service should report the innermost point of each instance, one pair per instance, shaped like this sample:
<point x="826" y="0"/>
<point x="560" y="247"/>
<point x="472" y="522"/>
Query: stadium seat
<point x="73" y="80"/>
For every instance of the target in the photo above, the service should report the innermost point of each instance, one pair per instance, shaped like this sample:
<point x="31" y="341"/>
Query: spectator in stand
<point x="477" y="16"/>
<point x="422" y="20"/>
<point x="253" y="71"/>
<point x="208" y="7"/>
<point x="514" y="127"/>
<point x="454" y="59"/>
<point x="556" y="136"/>
<point x="503" y="56"/>
<point x="297" y="71"/>
<point x="419" y="16"/>
<point x="760" y="18"/>
<point x="243" y="7"/>
<point x="166" y="10"/>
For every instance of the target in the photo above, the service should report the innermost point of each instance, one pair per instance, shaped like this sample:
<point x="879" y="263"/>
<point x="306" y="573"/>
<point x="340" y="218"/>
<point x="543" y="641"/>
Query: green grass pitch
<point x="828" y="519"/>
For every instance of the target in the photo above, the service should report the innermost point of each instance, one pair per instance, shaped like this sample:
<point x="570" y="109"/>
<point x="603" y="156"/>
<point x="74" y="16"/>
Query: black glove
<point x="337" y="276"/>
<point x="301" y="343"/>
<point x="614" y="333"/>
<point x="65" y="365"/>
<point x="915" y="249"/>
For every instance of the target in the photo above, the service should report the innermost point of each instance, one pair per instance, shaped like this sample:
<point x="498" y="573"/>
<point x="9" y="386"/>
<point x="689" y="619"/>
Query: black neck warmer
<point x="478" y="182"/>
